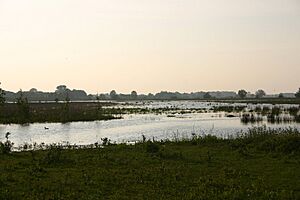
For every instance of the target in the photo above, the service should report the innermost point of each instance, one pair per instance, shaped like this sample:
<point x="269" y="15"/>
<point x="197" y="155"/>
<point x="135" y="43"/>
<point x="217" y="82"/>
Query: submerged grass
<point x="259" y="164"/>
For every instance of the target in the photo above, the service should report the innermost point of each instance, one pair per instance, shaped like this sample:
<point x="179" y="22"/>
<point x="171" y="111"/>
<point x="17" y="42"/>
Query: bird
<point x="7" y="134"/>
<point x="46" y="128"/>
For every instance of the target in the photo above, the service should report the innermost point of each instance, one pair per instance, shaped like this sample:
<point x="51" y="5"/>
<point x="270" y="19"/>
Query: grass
<point x="260" y="164"/>
<point x="12" y="113"/>
<point x="55" y="112"/>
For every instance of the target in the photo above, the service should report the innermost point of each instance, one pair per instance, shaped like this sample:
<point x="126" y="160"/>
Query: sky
<point x="150" y="46"/>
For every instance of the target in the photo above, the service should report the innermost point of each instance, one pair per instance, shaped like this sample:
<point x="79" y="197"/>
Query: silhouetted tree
<point x="297" y="95"/>
<point x="2" y="96"/>
<point x="260" y="93"/>
<point x="99" y="106"/>
<point x="113" y="94"/>
<point x="65" y="114"/>
<point x="280" y="95"/>
<point x="67" y="98"/>
<point x="102" y="96"/>
<point x="242" y="93"/>
<point x="61" y="89"/>
<point x="134" y="95"/>
<point x="33" y="90"/>
<point x="98" y="98"/>
<point x="207" y="96"/>
<point x="23" y="106"/>
<point x="2" y="99"/>
<point x="151" y="96"/>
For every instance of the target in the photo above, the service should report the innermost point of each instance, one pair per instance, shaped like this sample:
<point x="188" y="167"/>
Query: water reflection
<point x="131" y="128"/>
<point x="219" y="119"/>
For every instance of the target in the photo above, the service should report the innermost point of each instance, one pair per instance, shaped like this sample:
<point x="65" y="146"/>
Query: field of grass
<point x="261" y="164"/>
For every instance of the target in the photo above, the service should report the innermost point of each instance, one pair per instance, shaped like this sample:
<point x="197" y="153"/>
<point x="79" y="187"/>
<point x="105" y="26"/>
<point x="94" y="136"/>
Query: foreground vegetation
<point x="261" y="164"/>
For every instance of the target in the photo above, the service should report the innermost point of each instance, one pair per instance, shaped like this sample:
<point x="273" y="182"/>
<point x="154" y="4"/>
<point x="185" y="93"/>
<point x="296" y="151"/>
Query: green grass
<point x="261" y="164"/>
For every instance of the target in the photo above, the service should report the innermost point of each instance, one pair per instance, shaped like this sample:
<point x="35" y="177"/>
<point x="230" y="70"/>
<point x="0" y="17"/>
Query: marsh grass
<point x="285" y="141"/>
<point x="260" y="163"/>
<point x="24" y="112"/>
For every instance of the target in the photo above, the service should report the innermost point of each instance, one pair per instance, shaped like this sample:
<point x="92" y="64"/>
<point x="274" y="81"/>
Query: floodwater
<point x="132" y="127"/>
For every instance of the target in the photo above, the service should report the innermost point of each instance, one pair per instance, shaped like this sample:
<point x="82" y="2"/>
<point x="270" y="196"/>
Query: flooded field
<point x="171" y="120"/>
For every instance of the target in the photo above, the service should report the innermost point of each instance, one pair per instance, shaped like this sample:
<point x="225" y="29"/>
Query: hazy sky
<point x="149" y="46"/>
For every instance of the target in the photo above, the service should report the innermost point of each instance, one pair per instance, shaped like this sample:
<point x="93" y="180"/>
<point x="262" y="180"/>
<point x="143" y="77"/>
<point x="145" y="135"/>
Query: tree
<point x="23" y="106"/>
<point x="134" y="95"/>
<point x="67" y="99"/>
<point x="33" y="90"/>
<point x="297" y="95"/>
<point x="207" y="96"/>
<point x="280" y="95"/>
<point x="242" y="93"/>
<point x="260" y="93"/>
<point x="2" y="96"/>
<point x="102" y="97"/>
<point x="97" y="97"/>
<point x="113" y="94"/>
<point x="151" y="96"/>
<point x="61" y="89"/>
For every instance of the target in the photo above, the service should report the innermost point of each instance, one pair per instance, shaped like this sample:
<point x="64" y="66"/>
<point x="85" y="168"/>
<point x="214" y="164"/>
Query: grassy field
<point x="262" y="164"/>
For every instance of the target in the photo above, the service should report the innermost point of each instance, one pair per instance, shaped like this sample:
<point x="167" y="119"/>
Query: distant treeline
<point x="62" y="93"/>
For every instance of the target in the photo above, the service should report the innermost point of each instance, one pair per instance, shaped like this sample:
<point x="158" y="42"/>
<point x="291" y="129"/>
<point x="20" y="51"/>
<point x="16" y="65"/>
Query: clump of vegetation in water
<point x="251" y="118"/>
<point x="233" y="108"/>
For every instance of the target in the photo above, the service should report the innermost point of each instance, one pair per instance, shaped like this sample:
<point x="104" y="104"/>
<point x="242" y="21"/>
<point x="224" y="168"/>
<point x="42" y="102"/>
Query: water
<point x="132" y="127"/>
